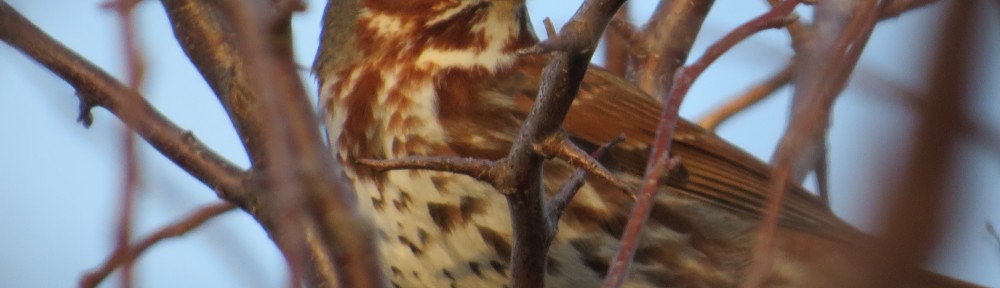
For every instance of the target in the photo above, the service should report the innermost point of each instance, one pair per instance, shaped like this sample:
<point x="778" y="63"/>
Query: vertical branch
<point x="521" y="178"/>
<point x="664" y="43"/>
<point x="312" y="210"/>
<point x="617" y="45"/>
<point x="657" y="164"/>
<point x="917" y="205"/>
<point x="130" y="185"/>
<point x="826" y="61"/>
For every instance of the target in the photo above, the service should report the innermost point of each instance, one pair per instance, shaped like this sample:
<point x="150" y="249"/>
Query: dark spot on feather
<point x="396" y="272"/>
<point x="651" y="254"/>
<point x="588" y="254"/>
<point x="659" y="278"/>
<point x="447" y="274"/>
<point x="661" y="214"/>
<point x="471" y="205"/>
<point x="500" y="244"/>
<point x="475" y="269"/>
<point x="423" y="236"/>
<point x="446" y="216"/>
<point x="413" y="247"/>
<point x="396" y="285"/>
<point x="378" y="203"/>
<point x="498" y="267"/>
<point x="591" y="218"/>
<point x="403" y="203"/>
<point x="552" y="266"/>
<point x="440" y="181"/>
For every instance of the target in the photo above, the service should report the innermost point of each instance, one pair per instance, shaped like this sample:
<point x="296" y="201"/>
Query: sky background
<point x="59" y="182"/>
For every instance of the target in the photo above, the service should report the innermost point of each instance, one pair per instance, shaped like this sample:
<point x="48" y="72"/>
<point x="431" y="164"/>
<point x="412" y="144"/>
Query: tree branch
<point x="96" y="88"/>
<point x="124" y="254"/>
<point x="520" y="172"/>
<point x="663" y="44"/>
<point x="749" y="98"/>
<point x="825" y="63"/>
<point x="656" y="166"/>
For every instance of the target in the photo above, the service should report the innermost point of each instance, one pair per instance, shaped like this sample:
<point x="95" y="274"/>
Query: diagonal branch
<point x="125" y="254"/>
<point x="96" y="88"/>
<point x="567" y="191"/>
<point x="749" y="98"/>
<point x="561" y="147"/>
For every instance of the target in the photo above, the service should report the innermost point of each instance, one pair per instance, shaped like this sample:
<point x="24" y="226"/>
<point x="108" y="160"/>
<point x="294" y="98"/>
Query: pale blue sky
<point x="59" y="182"/>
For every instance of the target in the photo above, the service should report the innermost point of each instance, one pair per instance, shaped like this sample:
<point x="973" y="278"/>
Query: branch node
<point x="559" y="146"/>
<point x="85" y="117"/>
<point x="568" y="190"/>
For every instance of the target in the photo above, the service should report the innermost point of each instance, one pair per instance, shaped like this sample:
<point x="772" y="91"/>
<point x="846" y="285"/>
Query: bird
<point x="446" y="79"/>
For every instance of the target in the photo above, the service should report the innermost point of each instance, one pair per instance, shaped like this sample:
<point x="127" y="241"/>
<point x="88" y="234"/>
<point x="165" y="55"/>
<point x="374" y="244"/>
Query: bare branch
<point x="97" y="88"/>
<point x="300" y="171"/>
<point x="825" y="65"/>
<point x="658" y="161"/>
<point x="480" y="169"/>
<point x="752" y="96"/>
<point x="561" y="199"/>
<point x="561" y="147"/>
<point x="918" y="203"/>
<point x="130" y="186"/>
<point x="617" y="41"/>
<point x="664" y="43"/>
<point x="127" y="254"/>
<point x="520" y="172"/>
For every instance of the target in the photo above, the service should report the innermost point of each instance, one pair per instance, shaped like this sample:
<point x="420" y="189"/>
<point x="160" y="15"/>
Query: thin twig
<point x="656" y="166"/>
<point x="96" y="88"/>
<point x="127" y="254"/>
<point x="993" y="232"/>
<point x="130" y="183"/>
<point x="752" y="96"/>
<point x="480" y="169"/>
<point x="561" y="147"/>
<point x="826" y="64"/>
<point x="567" y="191"/>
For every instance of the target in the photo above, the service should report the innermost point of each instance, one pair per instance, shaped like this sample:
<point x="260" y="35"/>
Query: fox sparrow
<point x="443" y="78"/>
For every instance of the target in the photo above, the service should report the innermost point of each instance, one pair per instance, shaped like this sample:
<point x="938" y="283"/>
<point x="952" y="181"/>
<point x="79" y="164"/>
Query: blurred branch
<point x="208" y="42"/>
<point x="96" y="88"/>
<point x="128" y="254"/>
<point x="130" y="186"/>
<point x="656" y="166"/>
<point x="557" y="205"/>
<point x="617" y="45"/>
<point x="308" y="204"/>
<point x="917" y="206"/>
<point x="752" y="96"/>
<point x="824" y="63"/>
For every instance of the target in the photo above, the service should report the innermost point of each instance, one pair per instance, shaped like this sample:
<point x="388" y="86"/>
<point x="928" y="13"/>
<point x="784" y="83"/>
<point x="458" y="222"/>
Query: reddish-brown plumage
<point x="442" y="78"/>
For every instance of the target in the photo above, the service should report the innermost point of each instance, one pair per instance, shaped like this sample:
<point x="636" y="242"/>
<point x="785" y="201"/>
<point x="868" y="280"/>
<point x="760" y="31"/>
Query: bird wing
<point x="714" y="170"/>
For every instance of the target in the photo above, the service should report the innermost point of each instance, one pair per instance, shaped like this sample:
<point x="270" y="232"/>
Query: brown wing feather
<point x="716" y="171"/>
